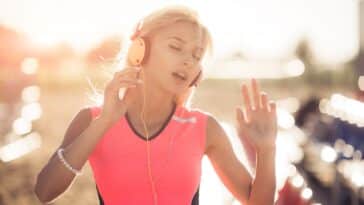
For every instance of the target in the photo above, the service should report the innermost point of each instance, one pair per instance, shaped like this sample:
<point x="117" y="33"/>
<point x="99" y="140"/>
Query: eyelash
<point x="179" y="49"/>
<point x="175" y="48"/>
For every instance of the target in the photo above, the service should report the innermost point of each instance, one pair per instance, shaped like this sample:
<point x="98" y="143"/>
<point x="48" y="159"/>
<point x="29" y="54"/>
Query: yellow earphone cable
<point x="155" y="196"/>
<point x="171" y="142"/>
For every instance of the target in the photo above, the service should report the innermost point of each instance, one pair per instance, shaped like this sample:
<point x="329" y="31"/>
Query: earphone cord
<point x="155" y="197"/>
<point x="151" y="178"/>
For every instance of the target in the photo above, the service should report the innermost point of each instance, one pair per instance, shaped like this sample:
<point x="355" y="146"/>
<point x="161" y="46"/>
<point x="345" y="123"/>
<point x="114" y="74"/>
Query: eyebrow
<point x="181" y="40"/>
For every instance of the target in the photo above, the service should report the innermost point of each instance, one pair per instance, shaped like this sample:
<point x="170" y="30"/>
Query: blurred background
<point x="307" y="54"/>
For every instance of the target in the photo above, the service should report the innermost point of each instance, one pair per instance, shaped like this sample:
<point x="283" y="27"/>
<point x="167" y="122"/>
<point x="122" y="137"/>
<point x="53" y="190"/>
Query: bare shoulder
<point x="212" y="123"/>
<point x="214" y="131"/>
<point x="230" y="170"/>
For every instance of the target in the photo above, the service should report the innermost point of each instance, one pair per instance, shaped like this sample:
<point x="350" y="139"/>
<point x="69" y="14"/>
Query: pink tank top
<point x="119" y="160"/>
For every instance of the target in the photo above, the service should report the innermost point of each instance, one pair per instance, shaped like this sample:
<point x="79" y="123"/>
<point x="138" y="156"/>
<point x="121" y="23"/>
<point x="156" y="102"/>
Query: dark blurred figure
<point x="351" y="133"/>
<point x="316" y="125"/>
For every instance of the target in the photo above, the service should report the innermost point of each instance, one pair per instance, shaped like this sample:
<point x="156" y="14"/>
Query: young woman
<point x="146" y="146"/>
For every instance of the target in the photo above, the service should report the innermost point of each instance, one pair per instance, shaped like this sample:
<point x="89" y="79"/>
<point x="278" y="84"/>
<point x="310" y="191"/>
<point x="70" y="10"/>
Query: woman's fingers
<point x="127" y="71"/>
<point x="127" y="85"/>
<point x="133" y="81"/>
<point x="256" y="94"/>
<point x="257" y="101"/>
<point x="129" y="74"/>
<point x="239" y="115"/>
<point x="273" y="107"/>
<point x="260" y="100"/>
<point x="264" y="99"/>
<point x="124" y="80"/>
<point x="128" y="78"/>
<point x="241" y="119"/>
<point x="128" y="82"/>
<point x="246" y="96"/>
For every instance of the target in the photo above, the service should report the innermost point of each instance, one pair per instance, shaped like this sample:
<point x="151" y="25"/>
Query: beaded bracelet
<point x="66" y="164"/>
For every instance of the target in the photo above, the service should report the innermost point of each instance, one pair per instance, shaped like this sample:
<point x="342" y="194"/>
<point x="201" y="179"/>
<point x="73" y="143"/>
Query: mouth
<point x="180" y="76"/>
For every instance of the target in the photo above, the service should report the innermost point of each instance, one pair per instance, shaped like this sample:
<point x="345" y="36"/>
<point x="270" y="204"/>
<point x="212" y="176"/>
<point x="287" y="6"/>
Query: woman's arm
<point x="256" y="126"/>
<point x="230" y="170"/>
<point x="84" y="133"/>
<point x="80" y="139"/>
<point x="251" y="155"/>
<point x="233" y="174"/>
<point x="264" y="184"/>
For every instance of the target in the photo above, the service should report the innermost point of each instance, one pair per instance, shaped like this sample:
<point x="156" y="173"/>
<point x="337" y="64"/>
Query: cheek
<point x="162" y="57"/>
<point x="160" y="62"/>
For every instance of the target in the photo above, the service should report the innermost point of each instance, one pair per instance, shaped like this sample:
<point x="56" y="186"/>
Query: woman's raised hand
<point x="257" y="121"/>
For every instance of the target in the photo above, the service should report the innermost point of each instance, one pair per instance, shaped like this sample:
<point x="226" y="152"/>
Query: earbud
<point x="138" y="51"/>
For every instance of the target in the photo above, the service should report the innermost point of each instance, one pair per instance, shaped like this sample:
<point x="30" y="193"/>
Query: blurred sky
<point x="259" y="28"/>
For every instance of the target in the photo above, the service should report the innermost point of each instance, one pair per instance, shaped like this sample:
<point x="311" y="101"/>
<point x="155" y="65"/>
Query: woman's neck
<point x="156" y="108"/>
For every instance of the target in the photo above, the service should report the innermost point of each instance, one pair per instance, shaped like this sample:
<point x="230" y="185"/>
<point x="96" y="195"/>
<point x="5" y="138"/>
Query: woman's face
<point x="175" y="56"/>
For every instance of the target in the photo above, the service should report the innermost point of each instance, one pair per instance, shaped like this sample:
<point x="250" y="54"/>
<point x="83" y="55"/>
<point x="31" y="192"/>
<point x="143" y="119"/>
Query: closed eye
<point x="175" y="48"/>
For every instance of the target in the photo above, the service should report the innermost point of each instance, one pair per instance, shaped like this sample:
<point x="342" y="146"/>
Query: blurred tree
<point x="14" y="46"/>
<point x="52" y="57"/>
<point x="105" y="52"/>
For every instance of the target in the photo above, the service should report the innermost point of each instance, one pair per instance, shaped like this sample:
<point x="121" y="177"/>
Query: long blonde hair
<point x="165" y="17"/>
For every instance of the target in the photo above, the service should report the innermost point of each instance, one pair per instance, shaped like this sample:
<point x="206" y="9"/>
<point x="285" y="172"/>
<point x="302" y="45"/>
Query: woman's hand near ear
<point x="113" y="106"/>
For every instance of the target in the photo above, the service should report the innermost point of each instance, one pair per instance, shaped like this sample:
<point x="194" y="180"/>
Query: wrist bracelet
<point x="66" y="164"/>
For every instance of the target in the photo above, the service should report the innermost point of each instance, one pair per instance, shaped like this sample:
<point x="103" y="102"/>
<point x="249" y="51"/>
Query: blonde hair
<point x="168" y="16"/>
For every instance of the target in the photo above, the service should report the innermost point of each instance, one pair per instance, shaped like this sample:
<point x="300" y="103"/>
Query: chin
<point x="177" y="89"/>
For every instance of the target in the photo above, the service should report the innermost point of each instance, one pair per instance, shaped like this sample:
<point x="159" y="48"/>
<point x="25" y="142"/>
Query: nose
<point x="188" y="63"/>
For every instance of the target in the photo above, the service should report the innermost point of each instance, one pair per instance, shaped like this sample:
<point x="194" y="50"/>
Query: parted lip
<point x="181" y="74"/>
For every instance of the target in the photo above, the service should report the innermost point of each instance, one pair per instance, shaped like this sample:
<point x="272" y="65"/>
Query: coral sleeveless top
<point x="119" y="160"/>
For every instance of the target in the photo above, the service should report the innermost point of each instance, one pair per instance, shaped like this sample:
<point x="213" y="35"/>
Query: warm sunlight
<point x="258" y="29"/>
<point x="275" y="91"/>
